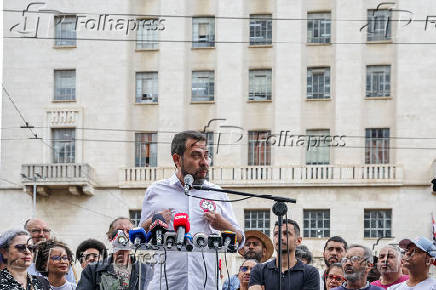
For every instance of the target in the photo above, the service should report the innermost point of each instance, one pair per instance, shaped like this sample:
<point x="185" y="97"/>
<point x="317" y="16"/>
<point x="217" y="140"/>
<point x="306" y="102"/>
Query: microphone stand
<point x="279" y="209"/>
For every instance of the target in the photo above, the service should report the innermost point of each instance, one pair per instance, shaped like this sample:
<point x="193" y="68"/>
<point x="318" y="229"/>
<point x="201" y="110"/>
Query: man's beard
<point x="356" y="276"/>
<point x="328" y="263"/>
<point x="253" y="255"/>
<point x="197" y="179"/>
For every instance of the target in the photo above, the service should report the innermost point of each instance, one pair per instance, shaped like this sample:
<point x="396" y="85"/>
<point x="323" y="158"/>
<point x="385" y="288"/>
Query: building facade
<point x="327" y="102"/>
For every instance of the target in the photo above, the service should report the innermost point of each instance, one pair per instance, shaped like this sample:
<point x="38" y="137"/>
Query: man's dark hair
<point x="303" y="252"/>
<point x="178" y="145"/>
<point x="336" y="239"/>
<point x="111" y="232"/>
<point x="91" y="244"/>
<point x="43" y="254"/>
<point x="290" y="222"/>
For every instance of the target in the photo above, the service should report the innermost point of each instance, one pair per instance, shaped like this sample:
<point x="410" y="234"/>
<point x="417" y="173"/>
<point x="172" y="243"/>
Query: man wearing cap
<point x="257" y="246"/>
<point x="419" y="255"/>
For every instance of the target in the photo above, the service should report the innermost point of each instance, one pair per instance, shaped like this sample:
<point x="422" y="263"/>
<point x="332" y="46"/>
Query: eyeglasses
<point x="91" y="256"/>
<point x="37" y="231"/>
<point x="353" y="259"/>
<point x="59" y="258"/>
<point x="244" y="268"/>
<point x="22" y="248"/>
<point x="336" y="278"/>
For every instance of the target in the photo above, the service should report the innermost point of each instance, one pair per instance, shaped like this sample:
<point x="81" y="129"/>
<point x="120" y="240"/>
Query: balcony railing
<point x="379" y="174"/>
<point x="69" y="175"/>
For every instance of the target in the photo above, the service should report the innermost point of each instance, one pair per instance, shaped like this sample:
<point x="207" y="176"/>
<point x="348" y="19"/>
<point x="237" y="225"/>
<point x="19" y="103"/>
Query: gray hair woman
<point x="16" y="250"/>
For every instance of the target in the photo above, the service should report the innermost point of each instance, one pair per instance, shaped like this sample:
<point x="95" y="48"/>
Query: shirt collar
<point x="299" y="266"/>
<point x="174" y="180"/>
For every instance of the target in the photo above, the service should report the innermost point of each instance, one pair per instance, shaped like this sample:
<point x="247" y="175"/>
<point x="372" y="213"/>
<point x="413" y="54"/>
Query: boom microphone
<point x="188" y="180"/>
<point x="158" y="228"/>
<point x="200" y="240"/>
<point x="181" y="225"/>
<point x="137" y="236"/>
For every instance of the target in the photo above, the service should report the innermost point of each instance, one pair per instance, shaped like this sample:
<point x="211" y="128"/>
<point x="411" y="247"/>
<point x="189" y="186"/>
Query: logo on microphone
<point x="207" y="205"/>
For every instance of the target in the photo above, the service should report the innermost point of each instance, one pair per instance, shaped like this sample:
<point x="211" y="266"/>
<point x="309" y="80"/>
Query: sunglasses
<point x="22" y="248"/>
<point x="244" y="268"/>
<point x="336" y="278"/>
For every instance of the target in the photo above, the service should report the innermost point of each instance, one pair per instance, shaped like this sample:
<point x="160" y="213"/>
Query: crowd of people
<point x="31" y="258"/>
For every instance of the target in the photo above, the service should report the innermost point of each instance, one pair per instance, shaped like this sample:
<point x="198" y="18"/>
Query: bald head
<point x="38" y="229"/>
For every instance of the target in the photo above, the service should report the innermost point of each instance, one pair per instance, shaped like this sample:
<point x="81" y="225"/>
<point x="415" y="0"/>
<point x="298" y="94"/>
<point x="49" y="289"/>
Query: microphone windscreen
<point x="182" y="219"/>
<point x="188" y="180"/>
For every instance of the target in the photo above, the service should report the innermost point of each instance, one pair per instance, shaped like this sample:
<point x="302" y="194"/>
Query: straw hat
<point x="266" y="241"/>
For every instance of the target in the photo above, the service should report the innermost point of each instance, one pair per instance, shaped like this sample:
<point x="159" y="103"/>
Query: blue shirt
<point x="234" y="283"/>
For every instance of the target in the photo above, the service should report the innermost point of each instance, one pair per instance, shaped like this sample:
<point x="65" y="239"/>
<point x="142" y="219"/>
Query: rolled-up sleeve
<point x="147" y="210"/>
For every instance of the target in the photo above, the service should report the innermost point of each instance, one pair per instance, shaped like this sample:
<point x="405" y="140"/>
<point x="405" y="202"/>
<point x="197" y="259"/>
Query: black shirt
<point x="301" y="276"/>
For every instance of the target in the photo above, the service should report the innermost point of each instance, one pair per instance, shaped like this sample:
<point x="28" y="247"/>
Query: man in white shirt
<point x="190" y="155"/>
<point x="419" y="256"/>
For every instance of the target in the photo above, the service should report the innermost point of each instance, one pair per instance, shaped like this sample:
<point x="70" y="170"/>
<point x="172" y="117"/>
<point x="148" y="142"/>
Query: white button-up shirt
<point x="186" y="270"/>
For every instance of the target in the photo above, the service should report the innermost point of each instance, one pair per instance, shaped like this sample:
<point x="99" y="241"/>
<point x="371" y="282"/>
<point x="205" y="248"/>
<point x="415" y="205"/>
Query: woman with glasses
<point x="334" y="276"/>
<point x="16" y="250"/>
<point x="53" y="260"/>
<point x="244" y="273"/>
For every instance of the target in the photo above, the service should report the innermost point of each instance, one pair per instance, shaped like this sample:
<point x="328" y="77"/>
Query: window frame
<point x="326" y="76"/>
<point x="386" y="223"/>
<point x="253" y="85"/>
<point x="374" y="33"/>
<point x="133" y="216"/>
<point x="323" y="22"/>
<point x="147" y="39"/>
<point x="209" y="86"/>
<point x="67" y="145"/>
<point x="57" y="77"/>
<point x="209" y="37"/>
<point x="153" y="77"/>
<point x="150" y="150"/>
<point x="372" y="88"/>
<point x="314" y="152"/>
<point x="266" y="222"/>
<point x="262" y="22"/>
<point x="308" y="220"/>
<point x="373" y="151"/>
<point x="62" y="31"/>
<point x="259" y="149"/>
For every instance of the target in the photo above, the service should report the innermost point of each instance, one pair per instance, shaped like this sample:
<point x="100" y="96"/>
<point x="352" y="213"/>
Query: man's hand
<point x="221" y="224"/>
<point x="167" y="215"/>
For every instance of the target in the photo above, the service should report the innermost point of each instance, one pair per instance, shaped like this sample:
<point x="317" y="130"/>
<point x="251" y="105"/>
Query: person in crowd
<point x="244" y="273"/>
<point x="16" y="249"/>
<point x="90" y="251"/>
<point x="208" y="212"/>
<point x="41" y="232"/>
<point x="293" y="273"/>
<point x="334" y="276"/>
<point x="373" y="274"/>
<point x="257" y="246"/>
<point x="419" y="256"/>
<point x="389" y="266"/>
<point x="356" y="265"/>
<point x="53" y="259"/>
<point x="120" y="270"/>
<point x="303" y="254"/>
<point x="334" y="250"/>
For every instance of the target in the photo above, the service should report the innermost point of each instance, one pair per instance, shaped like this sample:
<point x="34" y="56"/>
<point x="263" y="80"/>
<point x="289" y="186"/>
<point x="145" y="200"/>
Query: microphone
<point x="230" y="240"/>
<point x="137" y="236"/>
<point x="188" y="180"/>
<point x="214" y="241"/>
<point x="169" y="239"/>
<point x="158" y="228"/>
<point x="200" y="240"/>
<point x="181" y="225"/>
<point x="189" y="245"/>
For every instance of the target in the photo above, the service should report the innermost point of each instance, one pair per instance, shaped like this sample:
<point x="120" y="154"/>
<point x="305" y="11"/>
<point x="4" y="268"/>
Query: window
<point x="210" y="146"/>
<point x="135" y="216"/>
<point x="318" y="83"/>
<point x="378" y="81"/>
<point x="379" y="25"/>
<point x="257" y="219"/>
<point x="318" y="27"/>
<point x="147" y="36"/>
<point x="319" y="151"/>
<point x="316" y="223"/>
<point x="260" y="85"/>
<point x="203" y="32"/>
<point x="65" y="30"/>
<point x="146" y="87"/>
<point x="377" y="223"/>
<point x="65" y="85"/>
<point x="64" y="145"/>
<point x="259" y="149"/>
<point x="203" y="84"/>
<point x="145" y="149"/>
<point x="377" y="146"/>
<point x="260" y="29"/>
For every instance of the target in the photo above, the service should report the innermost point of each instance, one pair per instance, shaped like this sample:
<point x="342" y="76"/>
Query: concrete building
<point x="103" y="94"/>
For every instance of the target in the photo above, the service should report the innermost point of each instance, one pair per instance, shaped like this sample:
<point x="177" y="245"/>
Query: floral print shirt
<point x="8" y="282"/>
